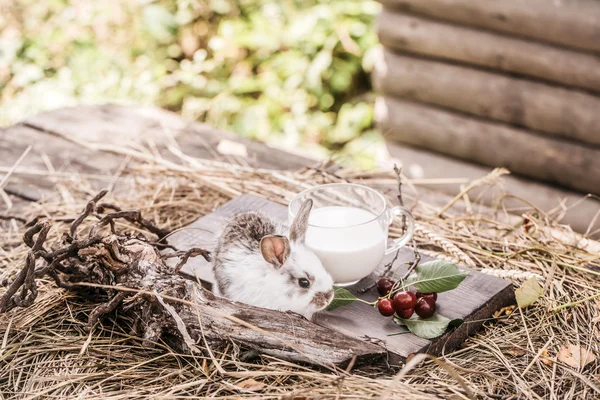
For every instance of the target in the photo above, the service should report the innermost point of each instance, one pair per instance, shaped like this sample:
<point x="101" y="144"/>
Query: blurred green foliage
<point x="294" y="73"/>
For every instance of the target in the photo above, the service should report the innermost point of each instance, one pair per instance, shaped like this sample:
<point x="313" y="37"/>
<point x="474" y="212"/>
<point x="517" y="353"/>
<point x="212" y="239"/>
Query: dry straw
<point x="46" y="353"/>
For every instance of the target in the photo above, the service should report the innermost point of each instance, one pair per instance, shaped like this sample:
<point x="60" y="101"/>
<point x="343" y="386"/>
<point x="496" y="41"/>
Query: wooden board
<point x="477" y="298"/>
<point x="153" y="127"/>
<point x="62" y="158"/>
<point x="59" y="139"/>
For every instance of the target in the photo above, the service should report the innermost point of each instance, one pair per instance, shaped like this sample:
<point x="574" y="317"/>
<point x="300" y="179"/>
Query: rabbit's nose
<point x="322" y="299"/>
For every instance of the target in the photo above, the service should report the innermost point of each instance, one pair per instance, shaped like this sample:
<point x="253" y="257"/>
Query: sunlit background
<point x="295" y="74"/>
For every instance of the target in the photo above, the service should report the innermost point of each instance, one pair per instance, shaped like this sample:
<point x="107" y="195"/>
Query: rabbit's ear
<point x="300" y="223"/>
<point x="275" y="249"/>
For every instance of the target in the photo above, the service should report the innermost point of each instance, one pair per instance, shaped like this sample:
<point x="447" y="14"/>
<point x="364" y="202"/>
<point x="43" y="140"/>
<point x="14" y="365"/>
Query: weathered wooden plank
<point x="35" y="178"/>
<point x="57" y="136"/>
<point x="13" y="143"/>
<point x="555" y="110"/>
<point x="475" y="299"/>
<point x="151" y="126"/>
<point x="524" y="152"/>
<point x="414" y="34"/>
<point x="570" y="23"/>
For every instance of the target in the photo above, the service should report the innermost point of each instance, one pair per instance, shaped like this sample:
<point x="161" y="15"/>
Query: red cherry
<point x="405" y="313"/>
<point x="384" y="285"/>
<point x="386" y="307"/>
<point x="433" y="295"/>
<point x="404" y="300"/>
<point x="425" y="307"/>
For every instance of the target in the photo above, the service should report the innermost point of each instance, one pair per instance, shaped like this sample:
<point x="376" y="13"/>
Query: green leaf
<point x="528" y="293"/>
<point x="429" y="328"/>
<point x="341" y="297"/>
<point x="437" y="276"/>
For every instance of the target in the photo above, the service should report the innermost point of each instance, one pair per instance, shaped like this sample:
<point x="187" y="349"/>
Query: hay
<point x="46" y="352"/>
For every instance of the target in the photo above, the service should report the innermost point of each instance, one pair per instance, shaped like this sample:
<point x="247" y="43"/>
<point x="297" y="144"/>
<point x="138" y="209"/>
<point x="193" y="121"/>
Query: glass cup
<point x="348" y="229"/>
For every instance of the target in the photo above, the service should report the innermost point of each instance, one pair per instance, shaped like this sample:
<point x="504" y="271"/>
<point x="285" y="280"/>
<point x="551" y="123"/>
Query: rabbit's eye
<point x="303" y="282"/>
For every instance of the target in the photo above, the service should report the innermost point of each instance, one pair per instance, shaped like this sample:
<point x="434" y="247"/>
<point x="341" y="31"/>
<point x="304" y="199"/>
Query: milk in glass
<point x="349" y="241"/>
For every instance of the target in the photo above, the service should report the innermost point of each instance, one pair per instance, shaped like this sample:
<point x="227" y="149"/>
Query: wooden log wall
<point x="499" y="83"/>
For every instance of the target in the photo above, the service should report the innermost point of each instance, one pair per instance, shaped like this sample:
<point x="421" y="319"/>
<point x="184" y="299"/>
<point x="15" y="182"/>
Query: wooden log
<point x="437" y="39"/>
<point x="271" y="332"/>
<point x="523" y="152"/>
<point x="569" y="113"/>
<point x="570" y="23"/>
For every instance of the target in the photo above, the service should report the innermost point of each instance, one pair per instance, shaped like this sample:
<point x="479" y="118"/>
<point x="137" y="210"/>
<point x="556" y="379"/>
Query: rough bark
<point x="488" y="143"/>
<point x="570" y="23"/>
<point x="129" y="273"/>
<point x="554" y="110"/>
<point x="436" y="39"/>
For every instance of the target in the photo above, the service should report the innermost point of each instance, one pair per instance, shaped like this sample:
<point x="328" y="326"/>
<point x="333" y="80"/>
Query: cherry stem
<point x="372" y="304"/>
<point x="411" y="267"/>
<point x="415" y="262"/>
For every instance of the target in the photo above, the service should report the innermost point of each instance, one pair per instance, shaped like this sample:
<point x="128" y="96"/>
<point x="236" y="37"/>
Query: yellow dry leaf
<point x="250" y="384"/>
<point x="516" y="352"/>
<point x="504" y="311"/>
<point x="545" y="357"/>
<point x="528" y="293"/>
<point x="576" y="356"/>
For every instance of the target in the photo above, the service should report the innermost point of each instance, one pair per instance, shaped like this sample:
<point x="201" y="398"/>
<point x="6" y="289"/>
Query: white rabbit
<point x="256" y="263"/>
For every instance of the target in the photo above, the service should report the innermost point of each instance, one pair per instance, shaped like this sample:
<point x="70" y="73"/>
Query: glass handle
<point x="410" y="228"/>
